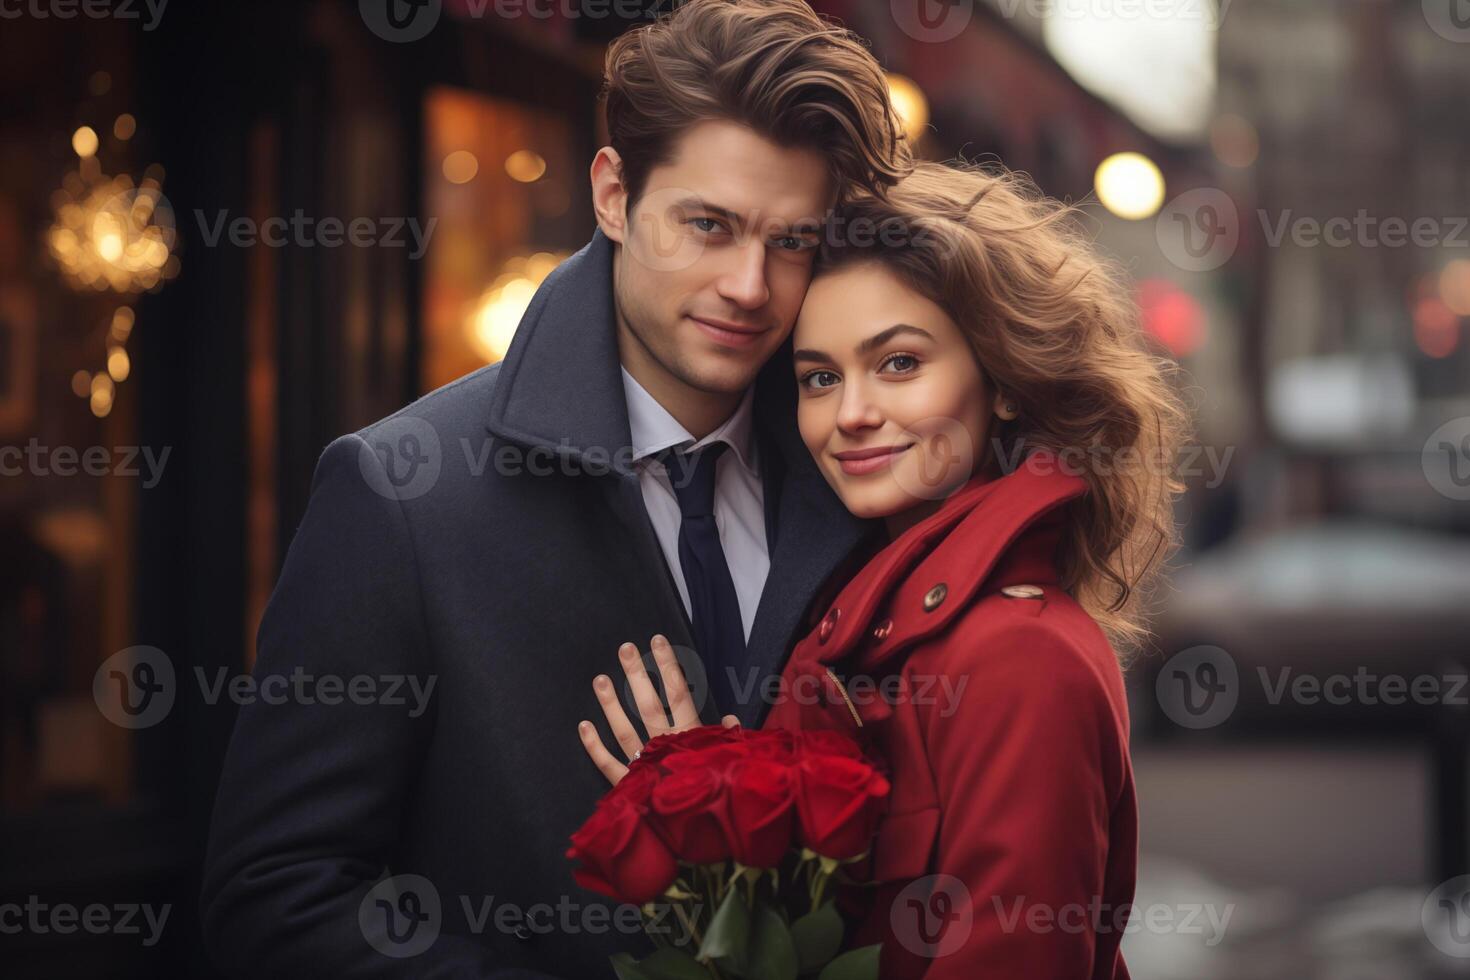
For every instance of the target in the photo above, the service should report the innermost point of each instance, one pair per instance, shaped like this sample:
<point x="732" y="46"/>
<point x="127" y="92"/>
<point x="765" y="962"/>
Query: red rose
<point x="660" y="747"/>
<point x="827" y="742"/>
<point x="762" y="805"/>
<point x="776" y="744"/>
<point x="718" y="757"/>
<point x="621" y="856"/>
<point x="636" y="787"/>
<point x="690" y="807"/>
<point x="839" y="801"/>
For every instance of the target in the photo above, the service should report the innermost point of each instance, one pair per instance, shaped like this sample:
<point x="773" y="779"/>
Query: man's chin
<point x="720" y="376"/>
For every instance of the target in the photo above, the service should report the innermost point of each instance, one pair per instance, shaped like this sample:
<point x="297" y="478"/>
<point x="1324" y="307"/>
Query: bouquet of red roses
<point x="741" y="832"/>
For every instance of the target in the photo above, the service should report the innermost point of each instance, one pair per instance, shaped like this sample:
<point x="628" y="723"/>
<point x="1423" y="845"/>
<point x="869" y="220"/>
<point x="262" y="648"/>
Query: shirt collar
<point x="653" y="429"/>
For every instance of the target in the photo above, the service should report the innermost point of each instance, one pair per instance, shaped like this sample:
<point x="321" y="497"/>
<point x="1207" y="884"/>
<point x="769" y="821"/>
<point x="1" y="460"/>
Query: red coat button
<point x="828" y="623"/>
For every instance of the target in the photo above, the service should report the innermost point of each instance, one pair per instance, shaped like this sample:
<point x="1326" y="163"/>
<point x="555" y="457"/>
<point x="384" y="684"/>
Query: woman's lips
<point x="729" y="338"/>
<point x="857" y="466"/>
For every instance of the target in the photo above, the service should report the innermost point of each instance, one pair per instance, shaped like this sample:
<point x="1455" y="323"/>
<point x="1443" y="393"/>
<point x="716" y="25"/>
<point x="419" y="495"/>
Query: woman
<point x="975" y="377"/>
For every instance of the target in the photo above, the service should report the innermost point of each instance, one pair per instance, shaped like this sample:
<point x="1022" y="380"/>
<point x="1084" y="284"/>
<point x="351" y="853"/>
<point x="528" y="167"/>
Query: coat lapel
<point x="560" y="389"/>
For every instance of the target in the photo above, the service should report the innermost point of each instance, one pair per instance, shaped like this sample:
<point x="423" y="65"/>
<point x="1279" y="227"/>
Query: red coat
<point x="998" y="706"/>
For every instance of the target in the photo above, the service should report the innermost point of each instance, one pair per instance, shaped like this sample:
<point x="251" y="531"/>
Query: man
<point x="499" y="538"/>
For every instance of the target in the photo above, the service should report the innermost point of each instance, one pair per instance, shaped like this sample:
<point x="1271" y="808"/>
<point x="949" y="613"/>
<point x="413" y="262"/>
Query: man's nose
<point x="745" y="284"/>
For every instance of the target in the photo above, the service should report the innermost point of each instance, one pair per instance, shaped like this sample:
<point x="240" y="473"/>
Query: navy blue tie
<point x="719" y="632"/>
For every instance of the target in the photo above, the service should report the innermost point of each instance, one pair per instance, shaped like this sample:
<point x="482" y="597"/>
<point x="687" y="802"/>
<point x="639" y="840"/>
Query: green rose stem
<point x="821" y="870"/>
<point x="713" y="876"/>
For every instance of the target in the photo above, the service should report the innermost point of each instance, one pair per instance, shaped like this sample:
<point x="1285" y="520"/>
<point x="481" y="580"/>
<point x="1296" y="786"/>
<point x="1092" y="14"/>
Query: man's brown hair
<point x="774" y="66"/>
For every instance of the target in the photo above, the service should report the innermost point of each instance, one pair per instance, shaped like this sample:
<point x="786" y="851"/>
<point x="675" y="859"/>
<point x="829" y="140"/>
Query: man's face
<point x="717" y="254"/>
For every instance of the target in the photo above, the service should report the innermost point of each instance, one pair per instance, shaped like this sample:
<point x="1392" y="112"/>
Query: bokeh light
<point x="525" y="166"/>
<point x="1234" y="140"/>
<point x="1436" y="327"/>
<point x="1130" y="185"/>
<point x="910" y="104"/>
<point x="496" y="314"/>
<point x="109" y="234"/>
<point x="460" y="167"/>
<point x="1454" y="286"/>
<point x="1171" y="316"/>
<point x="84" y="141"/>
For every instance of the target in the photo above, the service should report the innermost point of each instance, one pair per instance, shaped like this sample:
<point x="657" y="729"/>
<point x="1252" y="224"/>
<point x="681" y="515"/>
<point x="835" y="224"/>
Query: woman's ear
<point x="609" y="196"/>
<point x="1005" y="408"/>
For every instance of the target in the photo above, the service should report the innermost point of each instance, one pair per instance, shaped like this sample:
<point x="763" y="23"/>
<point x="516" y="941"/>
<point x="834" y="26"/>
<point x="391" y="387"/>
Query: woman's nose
<point x="858" y="410"/>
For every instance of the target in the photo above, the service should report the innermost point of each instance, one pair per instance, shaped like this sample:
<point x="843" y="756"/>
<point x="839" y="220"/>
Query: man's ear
<point x="609" y="197"/>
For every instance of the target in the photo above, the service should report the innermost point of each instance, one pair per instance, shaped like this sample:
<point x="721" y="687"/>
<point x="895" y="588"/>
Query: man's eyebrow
<point x="805" y="226"/>
<point x="695" y="203"/>
<point x="867" y="346"/>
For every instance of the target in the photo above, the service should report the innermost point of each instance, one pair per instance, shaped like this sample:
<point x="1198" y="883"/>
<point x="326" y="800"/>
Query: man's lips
<point x="856" y="462"/>
<point x="729" y="334"/>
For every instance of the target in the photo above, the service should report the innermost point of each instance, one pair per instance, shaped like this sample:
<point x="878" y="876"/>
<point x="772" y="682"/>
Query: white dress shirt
<point x="740" y="512"/>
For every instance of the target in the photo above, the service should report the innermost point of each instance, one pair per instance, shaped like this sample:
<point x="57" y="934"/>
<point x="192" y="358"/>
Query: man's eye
<point x="700" y="223"/>
<point x="811" y="379"/>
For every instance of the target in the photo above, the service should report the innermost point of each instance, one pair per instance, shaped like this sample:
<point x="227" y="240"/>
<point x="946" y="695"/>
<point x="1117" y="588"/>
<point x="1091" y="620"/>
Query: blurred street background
<point x="1287" y="182"/>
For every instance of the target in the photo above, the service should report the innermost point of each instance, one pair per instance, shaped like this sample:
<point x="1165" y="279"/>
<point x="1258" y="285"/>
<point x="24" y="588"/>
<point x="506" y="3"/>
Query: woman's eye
<point x="811" y="380"/>
<point x="904" y="362"/>
<point x="792" y="244"/>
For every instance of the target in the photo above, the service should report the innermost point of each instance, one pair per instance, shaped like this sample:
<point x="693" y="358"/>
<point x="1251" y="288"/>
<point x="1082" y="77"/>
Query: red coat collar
<point x="992" y="532"/>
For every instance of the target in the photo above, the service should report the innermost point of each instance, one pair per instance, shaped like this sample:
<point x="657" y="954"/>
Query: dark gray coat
<point x="431" y="547"/>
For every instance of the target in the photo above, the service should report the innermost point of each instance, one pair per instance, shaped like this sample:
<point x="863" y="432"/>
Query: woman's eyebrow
<point x="877" y="340"/>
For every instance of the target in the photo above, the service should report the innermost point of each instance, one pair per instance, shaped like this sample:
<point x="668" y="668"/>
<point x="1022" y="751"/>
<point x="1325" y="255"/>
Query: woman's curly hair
<point x="1054" y="327"/>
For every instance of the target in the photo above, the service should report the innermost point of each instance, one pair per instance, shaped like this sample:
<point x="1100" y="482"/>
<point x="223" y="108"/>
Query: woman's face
<point x="891" y="402"/>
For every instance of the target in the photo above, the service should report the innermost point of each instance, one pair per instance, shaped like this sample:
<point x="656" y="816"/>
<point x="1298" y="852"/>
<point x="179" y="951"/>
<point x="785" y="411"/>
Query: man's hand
<point x="651" y="709"/>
